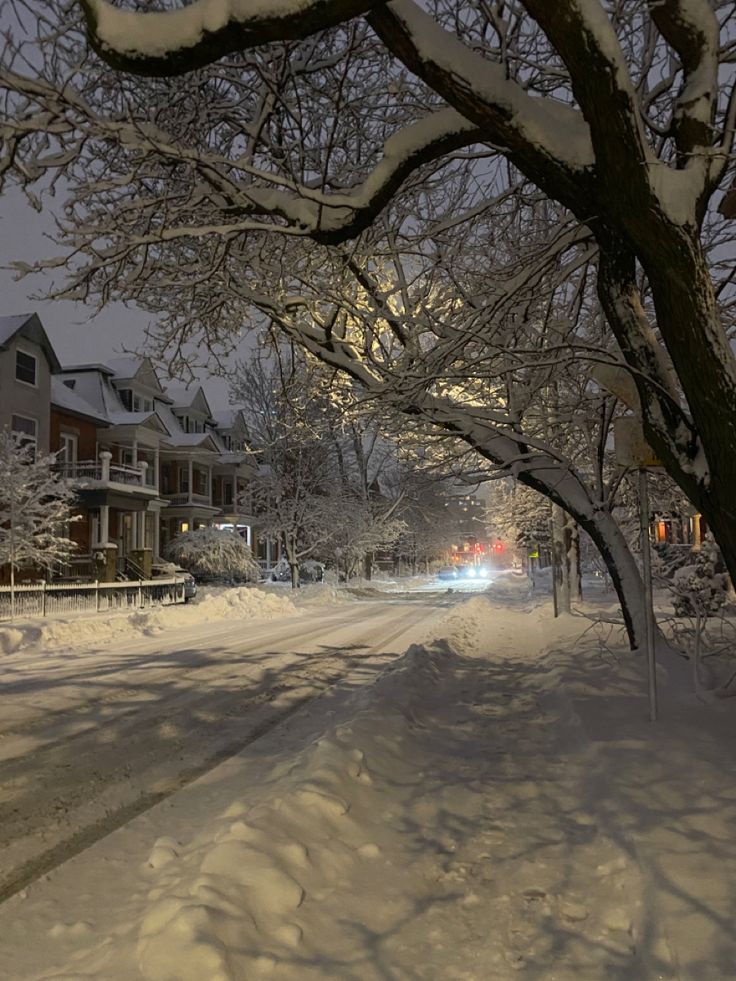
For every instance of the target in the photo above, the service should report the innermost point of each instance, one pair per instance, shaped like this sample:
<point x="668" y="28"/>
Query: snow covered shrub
<point x="211" y="553"/>
<point x="699" y="588"/>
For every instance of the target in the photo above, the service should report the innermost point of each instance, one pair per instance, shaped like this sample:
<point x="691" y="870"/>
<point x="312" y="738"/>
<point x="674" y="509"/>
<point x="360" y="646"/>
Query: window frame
<point x="26" y="354"/>
<point x="26" y="439"/>
<point x="65" y="439"/>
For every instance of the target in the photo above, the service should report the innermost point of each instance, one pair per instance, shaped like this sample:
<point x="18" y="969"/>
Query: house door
<point x="126" y="537"/>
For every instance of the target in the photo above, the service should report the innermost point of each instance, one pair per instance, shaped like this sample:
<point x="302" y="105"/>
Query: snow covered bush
<point x="699" y="591"/>
<point x="210" y="553"/>
<point x="698" y="588"/>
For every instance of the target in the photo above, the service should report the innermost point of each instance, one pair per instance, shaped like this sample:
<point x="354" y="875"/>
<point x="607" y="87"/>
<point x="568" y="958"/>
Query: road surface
<point x="89" y="739"/>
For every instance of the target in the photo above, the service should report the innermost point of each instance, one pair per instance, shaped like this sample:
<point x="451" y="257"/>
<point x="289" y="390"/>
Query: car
<point x="309" y="571"/>
<point x="450" y="572"/>
<point x="190" y="587"/>
<point x="170" y="569"/>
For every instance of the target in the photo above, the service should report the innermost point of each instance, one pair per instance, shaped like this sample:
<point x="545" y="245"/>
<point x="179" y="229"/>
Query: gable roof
<point x="28" y="325"/>
<point x="138" y="370"/>
<point x="189" y="397"/>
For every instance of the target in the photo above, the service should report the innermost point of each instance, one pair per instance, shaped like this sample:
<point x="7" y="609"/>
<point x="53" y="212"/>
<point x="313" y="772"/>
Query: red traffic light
<point x="498" y="547"/>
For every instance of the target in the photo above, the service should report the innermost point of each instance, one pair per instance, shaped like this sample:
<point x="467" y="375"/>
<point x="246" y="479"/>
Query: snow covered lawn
<point x="493" y="806"/>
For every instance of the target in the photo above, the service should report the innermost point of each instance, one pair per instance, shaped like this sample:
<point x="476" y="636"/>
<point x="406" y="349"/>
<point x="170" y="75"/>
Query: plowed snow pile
<point x="437" y="825"/>
<point x="94" y="630"/>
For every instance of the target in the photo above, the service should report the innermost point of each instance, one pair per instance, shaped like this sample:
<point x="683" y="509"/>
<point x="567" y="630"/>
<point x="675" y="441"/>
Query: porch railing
<point x="186" y="498"/>
<point x="117" y="473"/>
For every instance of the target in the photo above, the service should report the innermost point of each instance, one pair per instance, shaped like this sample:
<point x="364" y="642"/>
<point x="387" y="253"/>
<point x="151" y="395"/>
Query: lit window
<point x="25" y="368"/>
<point x="184" y="526"/>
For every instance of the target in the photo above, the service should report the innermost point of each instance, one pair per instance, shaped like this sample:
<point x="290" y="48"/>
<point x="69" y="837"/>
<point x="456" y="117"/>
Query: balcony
<point x="103" y="473"/>
<point x="179" y="500"/>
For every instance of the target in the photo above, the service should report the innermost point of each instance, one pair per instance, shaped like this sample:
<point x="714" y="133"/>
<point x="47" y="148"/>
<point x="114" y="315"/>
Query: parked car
<point x="309" y="571"/>
<point x="170" y="569"/>
<point x="190" y="587"/>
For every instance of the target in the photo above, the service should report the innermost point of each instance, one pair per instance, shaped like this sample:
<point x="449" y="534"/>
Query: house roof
<point x="28" y="325"/>
<point x="62" y="397"/>
<point x="126" y="367"/>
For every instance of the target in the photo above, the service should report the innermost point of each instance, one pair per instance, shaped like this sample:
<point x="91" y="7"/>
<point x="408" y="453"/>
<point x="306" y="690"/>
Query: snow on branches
<point x="35" y="508"/>
<point x="214" y="553"/>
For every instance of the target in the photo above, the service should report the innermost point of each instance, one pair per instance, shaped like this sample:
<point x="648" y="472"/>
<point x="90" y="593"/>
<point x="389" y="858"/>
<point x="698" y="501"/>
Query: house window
<point x="25" y="368"/>
<point x="183" y="480"/>
<point x="126" y="397"/>
<point x="228" y="493"/>
<point x="26" y="430"/>
<point x="67" y="452"/>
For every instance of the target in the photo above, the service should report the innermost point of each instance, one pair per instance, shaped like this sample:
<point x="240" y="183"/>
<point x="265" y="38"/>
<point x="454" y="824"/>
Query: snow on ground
<point x="82" y="630"/>
<point x="494" y="806"/>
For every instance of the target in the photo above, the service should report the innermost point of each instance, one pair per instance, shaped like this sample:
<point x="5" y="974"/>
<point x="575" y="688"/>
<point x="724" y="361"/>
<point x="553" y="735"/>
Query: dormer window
<point x="25" y="368"/>
<point x="126" y="397"/>
<point x="141" y="404"/>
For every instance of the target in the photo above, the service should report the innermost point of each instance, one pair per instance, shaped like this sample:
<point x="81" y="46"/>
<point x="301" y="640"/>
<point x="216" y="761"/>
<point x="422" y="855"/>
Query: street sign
<point x="534" y="555"/>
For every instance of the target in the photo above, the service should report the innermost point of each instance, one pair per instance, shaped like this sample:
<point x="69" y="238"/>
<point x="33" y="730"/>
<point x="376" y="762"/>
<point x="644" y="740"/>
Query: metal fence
<point x="48" y="599"/>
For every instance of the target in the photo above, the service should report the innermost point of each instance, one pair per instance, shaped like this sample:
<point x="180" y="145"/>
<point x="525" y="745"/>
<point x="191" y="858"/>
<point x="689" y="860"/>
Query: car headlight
<point x="470" y="573"/>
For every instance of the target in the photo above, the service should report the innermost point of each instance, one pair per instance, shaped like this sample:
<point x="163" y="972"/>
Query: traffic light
<point x="498" y="547"/>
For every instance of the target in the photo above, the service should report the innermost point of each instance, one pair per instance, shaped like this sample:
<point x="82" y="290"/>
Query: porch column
<point x="105" y="457"/>
<point x="143" y="468"/>
<point x="191" y="478"/>
<point x="209" y="483"/>
<point x="156" y="533"/>
<point x="697" y="539"/>
<point x="156" y="470"/>
<point x="135" y="453"/>
<point x="104" y="521"/>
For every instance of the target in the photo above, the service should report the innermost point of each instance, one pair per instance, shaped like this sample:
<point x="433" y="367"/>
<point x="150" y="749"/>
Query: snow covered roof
<point x="9" y="326"/>
<point x="65" y="398"/>
<point x="193" y="439"/>
<point x="29" y="326"/>
<point x="181" y="394"/>
<point x="91" y="366"/>
<point x="125" y="367"/>
<point x="225" y="418"/>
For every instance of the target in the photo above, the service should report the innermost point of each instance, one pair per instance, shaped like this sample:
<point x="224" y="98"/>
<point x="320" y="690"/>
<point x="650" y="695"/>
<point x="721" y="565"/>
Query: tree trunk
<point x="690" y="325"/>
<point x="624" y="572"/>
<point x="294" y="569"/>
<point x="368" y="565"/>
<point x="561" y="557"/>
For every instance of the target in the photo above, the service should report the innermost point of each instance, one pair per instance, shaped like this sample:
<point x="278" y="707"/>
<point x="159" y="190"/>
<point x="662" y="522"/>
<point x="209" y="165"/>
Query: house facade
<point x="148" y="461"/>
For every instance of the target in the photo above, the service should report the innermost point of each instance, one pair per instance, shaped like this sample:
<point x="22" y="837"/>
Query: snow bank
<point x="393" y="838"/>
<point x="92" y="631"/>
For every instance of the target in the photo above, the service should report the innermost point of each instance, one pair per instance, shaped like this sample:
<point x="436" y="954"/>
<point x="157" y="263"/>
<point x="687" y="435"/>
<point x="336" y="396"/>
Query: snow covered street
<point x="491" y="805"/>
<point x="89" y="738"/>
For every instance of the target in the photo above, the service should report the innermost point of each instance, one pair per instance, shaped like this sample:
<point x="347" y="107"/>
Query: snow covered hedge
<point x="209" y="553"/>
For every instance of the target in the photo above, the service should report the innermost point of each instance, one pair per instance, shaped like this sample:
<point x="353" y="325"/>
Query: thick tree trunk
<point x="691" y="328"/>
<point x="624" y="572"/>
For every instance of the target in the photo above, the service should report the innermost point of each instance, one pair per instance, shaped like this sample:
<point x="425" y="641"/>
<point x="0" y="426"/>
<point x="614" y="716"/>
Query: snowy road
<point x="90" y="739"/>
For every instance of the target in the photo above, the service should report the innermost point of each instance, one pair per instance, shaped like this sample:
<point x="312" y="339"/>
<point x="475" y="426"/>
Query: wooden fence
<point x="48" y="599"/>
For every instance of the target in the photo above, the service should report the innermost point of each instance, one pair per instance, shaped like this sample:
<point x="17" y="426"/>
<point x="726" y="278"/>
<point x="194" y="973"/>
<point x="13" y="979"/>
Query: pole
<point x="646" y="563"/>
<point x="553" y="557"/>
